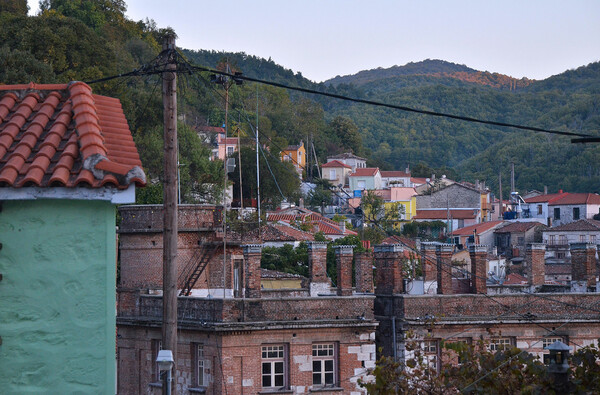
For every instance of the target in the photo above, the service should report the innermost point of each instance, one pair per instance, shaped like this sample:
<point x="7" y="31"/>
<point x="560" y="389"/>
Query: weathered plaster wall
<point x="57" y="297"/>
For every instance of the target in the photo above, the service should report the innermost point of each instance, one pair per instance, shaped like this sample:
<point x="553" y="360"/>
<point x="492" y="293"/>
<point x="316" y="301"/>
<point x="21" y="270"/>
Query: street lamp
<point x="165" y="363"/>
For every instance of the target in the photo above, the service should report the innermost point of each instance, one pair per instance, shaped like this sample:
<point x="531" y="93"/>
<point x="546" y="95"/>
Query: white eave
<point x="107" y="193"/>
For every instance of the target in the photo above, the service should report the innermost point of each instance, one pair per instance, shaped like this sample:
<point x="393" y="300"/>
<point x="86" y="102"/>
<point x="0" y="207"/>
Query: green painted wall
<point x="57" y="297"/>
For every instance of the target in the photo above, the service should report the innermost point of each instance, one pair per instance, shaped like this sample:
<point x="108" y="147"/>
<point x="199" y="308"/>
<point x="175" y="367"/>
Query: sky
<point x="325" y="38"/>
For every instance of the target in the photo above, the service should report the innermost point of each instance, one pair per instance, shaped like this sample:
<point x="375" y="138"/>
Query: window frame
<point x="500" y="343"/>
<point x="199" y="358"/>
<point x="576" y="213"/>
<point x="156" y="347"/>
<point x="282" y="357"/>
<point x="431" y="352"/>
<point x="330" y="353"/>
<point x="332" y="174"/>
<point x="556" y="212"/>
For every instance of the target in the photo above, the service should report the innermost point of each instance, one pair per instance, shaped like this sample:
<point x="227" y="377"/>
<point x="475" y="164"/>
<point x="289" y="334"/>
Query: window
<point x="323" y="362"/>
<point x="593" y="239"/>
<point x="156" y="347"/>
<point x="430" y="349"/>
<point x="273" y="367"/>
<point x="520" y="240"/>
<point x="562" y="239"/>
<point x="575" y="213"/>
<point x="229" y="151"/>
<point x="552" y="239"/>
<point x="582" y="238"/>
<point x="500" y="343"/>
<point x="201" y="366"/>
<point x="332" y="175"/>
<point x="539" y="207"/>
<point x="557" y="213"/>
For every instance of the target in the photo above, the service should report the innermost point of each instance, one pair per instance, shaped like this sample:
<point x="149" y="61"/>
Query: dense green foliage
<point x="286" y="259"/>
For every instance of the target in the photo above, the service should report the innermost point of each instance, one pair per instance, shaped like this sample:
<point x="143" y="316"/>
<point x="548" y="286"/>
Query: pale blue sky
<point x="322" y="39"/>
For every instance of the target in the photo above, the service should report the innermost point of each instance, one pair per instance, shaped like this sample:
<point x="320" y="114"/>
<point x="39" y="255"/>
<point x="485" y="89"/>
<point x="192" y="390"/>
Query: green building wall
<point x="57" y="297"/>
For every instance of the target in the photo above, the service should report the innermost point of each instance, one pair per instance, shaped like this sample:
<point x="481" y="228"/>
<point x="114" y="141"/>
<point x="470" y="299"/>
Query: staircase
<point x="192" y="272"/>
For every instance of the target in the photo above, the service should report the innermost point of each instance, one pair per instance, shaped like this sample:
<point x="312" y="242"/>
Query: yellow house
<point x="295" y="154"/>
<point x="400" y="200"/>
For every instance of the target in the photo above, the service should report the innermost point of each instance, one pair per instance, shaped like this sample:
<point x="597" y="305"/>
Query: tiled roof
<point x="558" y="269"/>
<point x="325" y="225"/>
<point x="346" y="155"/>
<point x="581" y="225"/>
<point x="443" y="214"/>
<point x="479" y="228"/>
<point x="515" y="279"/>
<point x="293" y="147"/>
<point x="336" y="163"/>
<point x="418" y="180"/>
<point x="63" y="135"/>
<point x="518" y="227"/>
<point x="577" y="198"/>
<point x="410" y="243"/>
<point x="229" y="141"/>
<point x="392" y="174"/>
<point x="365" y="172"/>
<point x="545" y="198"/>
<point x="278" y="232"/>
<point x="210" y="129"/>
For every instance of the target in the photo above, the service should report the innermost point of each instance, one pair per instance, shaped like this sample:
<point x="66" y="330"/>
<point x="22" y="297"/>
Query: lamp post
<point x="559" y="366"/>
<point x="165" y="363"/>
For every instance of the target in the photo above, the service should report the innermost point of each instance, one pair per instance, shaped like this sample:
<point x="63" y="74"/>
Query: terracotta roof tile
<point x="479" y="228"/>
<point x="577" y="198"/>
<point x="365" y="172"/>
<point x="336" y="163"/>
<point x="394" y="173"/>
<point x="64" y="135"/>
<point x="545" y="198"/>
<point x="519" y="227"/>
<point x="443" y="214"/>
<point x="581" y="225"/>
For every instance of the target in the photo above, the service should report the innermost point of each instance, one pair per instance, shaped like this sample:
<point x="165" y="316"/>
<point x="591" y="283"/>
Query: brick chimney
<point x="583" y="264"/>
<point x="429" y="261"/>
<point x="388" y="260"/>
<point x="343" y="260"/>
<point x="478" y="254"/>
<point x="317" y="267"/>
<point x="536" y="263"/>
<point x="363" y="264"/>
<point x="444" y="268"/>
<point x="252" y="277"/>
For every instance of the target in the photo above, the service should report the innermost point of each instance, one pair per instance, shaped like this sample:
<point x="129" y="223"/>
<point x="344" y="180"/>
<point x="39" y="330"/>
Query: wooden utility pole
<point x="501" y="206"/>
<point x="169" y="328"/>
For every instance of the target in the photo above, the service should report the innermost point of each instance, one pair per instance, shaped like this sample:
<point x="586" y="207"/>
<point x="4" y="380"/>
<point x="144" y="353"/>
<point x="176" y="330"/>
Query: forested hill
<point x="437" y="69"/>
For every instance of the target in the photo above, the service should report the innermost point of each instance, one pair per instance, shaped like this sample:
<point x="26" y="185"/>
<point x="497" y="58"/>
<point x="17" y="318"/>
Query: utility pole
<point x="512" y="177"/>
<point x="257" y="165"/>
<point x="169" y="327"/>
<point x="501" y="206"/>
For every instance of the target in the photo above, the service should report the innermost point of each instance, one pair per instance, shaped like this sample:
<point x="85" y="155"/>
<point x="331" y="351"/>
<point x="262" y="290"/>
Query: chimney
<point x="545" y="189"/>
<point x="301" y="203"/>
<point x="343" y="226"/>
<point x="535" y="264"/>
<point x="583" y="265"/>
<point x="478" y="254"/>
<point x="428" y="261"/>
<point x="444" y="268"/>
<point x="252" y="277"/>
<point x="364" y="272"/>
<point x="343" y="259"/>
<point x="317" y="267"/>
<point x="388" y="261"/>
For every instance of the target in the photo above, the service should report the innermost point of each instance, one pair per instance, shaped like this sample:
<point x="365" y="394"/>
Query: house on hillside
<point x="537" y="207"/>
<point x="67" y="158"/>
<point x="348" y="158"/>
<point x="559" y="238"/>
<point x="482" y="233"/>
<point x="512" y="238"/>
<point x="296" y="154"/>
<point x="458" y="204"/>
<point x="336" y="173"/>
<point x="427" y="185"/>
<point x="573" y="207"/>
<point x="395" y="179"/>
<point x="364" y="179"/>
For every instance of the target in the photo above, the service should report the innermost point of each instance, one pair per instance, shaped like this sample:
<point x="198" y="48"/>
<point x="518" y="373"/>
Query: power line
<point x="393" y="106"/>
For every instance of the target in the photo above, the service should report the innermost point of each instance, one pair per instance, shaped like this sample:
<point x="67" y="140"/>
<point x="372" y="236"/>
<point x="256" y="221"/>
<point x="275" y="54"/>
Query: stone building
<point x="235" y="336"/>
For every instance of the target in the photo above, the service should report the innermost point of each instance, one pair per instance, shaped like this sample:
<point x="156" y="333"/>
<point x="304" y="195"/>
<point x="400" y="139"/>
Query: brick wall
<point x="444" y="268"/>
<point x="583" y="262"/>
<point x="149" y="218"/>
<point x="252" y="254"/>
<point x="317" y="262"/>
<point x="343" y="260"/>
<point x="364" y="272"/>
<point x="535" y="263"/>
<point x="478" y="254"/>
<point x="429" y="261"/>
<point x="388" y="261"/>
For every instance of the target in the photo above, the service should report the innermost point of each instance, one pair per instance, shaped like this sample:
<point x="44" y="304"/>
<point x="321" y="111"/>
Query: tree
<point x="347" y="134"/>
<point x="18" y="7"/>
<point x="377" y="214"/>
<point x="321" y="195"/>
